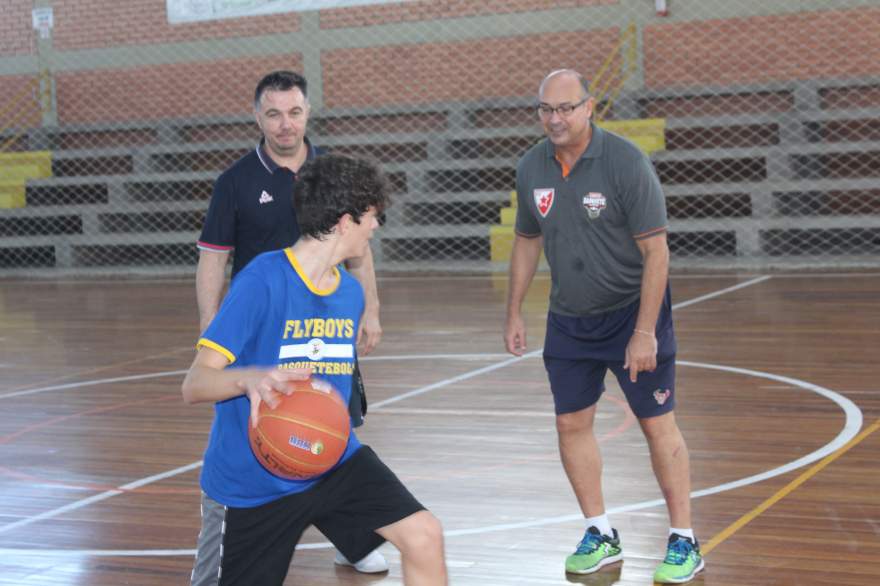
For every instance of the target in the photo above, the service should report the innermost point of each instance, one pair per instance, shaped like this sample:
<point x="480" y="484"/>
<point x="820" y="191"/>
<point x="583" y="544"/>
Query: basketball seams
<point x="312" y="419"/>
<point x="306" y="423"/>
<point x="332" y="394"/>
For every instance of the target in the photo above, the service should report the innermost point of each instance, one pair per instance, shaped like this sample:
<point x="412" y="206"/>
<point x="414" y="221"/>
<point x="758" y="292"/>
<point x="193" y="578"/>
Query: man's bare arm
<point x="210" y="279"/>
<point x="370" y="332"/>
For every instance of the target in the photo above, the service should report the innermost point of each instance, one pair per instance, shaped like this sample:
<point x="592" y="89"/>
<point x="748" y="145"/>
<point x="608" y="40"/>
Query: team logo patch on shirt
<point x="594" y="203"/>
<point x="265" y="197"/>
<point x="544" y="200"/>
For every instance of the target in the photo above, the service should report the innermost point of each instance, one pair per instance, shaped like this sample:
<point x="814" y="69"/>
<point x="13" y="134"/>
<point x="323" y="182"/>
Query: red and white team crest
<point x="544" y="200"/>
<point x="594" y="203"/>
<point x="661" y="396"/>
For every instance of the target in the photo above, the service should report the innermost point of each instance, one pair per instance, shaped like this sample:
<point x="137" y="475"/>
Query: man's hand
<point x="369" y="332"/>
<point x="515" y="335"/>
<point x="268" y="386"/>
<point x="641" y="354"/>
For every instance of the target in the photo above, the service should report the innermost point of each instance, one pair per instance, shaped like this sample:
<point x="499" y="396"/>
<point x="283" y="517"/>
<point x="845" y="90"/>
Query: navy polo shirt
<point x="251" y="208"/>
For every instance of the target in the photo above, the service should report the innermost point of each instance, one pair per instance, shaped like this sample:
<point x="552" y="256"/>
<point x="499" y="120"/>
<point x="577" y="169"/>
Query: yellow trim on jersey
<point x="302" y="275"/>
<point x="206" y="343"/>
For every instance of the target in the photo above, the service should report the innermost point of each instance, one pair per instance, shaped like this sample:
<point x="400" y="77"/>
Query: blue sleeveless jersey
<point x="274" y="317"/>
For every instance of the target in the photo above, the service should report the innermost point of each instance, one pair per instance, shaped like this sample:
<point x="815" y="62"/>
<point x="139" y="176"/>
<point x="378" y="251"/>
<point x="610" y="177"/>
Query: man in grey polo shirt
<point x="592" y="201"/>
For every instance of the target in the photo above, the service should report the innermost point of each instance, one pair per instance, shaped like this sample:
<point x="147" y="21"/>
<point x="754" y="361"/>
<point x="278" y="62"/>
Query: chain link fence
<point x="762" y="120"/>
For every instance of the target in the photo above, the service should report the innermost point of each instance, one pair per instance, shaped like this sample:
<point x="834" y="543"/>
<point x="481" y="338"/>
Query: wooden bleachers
<point x="749" y="172"/>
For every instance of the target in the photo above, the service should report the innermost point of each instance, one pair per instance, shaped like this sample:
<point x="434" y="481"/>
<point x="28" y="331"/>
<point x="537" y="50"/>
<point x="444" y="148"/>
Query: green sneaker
<point x="683" y="561"/>
<point x="593" y="552"/>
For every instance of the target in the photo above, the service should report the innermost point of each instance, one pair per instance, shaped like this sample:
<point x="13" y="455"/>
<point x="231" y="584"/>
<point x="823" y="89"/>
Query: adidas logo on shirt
<point x="265" y="197"/>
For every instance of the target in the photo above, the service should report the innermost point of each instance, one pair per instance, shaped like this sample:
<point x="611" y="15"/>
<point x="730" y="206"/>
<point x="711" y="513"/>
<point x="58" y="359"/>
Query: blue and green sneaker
<point x="683" y="561"/>
<point x="593" y="552"/>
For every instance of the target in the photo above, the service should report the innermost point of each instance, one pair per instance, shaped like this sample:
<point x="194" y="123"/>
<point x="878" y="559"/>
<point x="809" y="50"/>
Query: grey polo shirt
<point x="590" y="220"/>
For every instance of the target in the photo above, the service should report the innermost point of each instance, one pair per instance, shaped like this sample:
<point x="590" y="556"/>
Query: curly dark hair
<point x="330" y="186"/>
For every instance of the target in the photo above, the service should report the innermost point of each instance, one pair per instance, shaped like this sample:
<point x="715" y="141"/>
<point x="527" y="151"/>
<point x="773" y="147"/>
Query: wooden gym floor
<point x="99" y="457"/>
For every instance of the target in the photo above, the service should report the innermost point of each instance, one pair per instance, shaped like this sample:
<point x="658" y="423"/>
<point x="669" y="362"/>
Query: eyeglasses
<point x="546" y="110"/>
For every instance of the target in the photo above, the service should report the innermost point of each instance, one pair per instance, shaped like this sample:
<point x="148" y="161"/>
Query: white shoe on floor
<point x="373" y="563"/>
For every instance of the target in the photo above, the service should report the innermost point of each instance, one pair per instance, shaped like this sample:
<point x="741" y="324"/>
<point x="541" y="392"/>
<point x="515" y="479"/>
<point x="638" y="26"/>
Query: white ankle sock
<point x="601" y="523"/>
<point x="683" y="532"/>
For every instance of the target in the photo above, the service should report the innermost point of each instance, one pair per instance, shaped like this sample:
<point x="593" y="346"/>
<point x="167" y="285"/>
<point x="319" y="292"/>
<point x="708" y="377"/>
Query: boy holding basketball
<point x="252" y="519"/>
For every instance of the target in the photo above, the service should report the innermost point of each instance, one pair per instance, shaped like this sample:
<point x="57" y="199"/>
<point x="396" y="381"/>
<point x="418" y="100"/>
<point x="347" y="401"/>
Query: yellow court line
<point x="787" y="489"/>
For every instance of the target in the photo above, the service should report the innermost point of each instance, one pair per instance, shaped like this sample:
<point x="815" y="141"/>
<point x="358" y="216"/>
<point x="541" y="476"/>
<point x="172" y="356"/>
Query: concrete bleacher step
<point x="508" y="215"/>
<point x="12" y="194"/>
<point x="39" y="162"/>
<point x="649" y="134"/>
<point x="736" y="179"/>
<point x="15" y="171"/>
<point x="22" y="171"/>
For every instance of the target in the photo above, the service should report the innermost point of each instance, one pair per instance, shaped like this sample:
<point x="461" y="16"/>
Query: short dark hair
<point x="330" y="186"/>
<point x="280" y="81"/>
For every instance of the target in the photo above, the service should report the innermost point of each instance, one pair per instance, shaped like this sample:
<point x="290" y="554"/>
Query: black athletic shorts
<point x="254" y="546"/>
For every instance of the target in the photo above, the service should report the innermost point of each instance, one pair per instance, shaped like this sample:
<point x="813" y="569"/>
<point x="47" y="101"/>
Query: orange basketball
<point x="305" y="435"/>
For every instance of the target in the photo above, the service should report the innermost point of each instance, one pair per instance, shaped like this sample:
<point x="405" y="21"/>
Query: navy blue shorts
<point x="578" y="351"/>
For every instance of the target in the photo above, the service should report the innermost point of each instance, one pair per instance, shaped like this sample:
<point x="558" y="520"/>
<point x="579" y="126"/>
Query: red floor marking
<point x="6" y="439"/>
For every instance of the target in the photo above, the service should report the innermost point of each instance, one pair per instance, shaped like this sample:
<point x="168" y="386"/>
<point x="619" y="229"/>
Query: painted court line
<point x="742" y="285"/>
<point x="850" y="429"/>
<point x="100" y="381"/>
<point x="108" y="494"/>
<point x="843" y="439"/>
<point x="468" y="413"/>
<point x="786" y="490"/>
<point x="368" y="358"/>
<point x="99" y="497"/>
<point x="445" y="383"/>
<point x="474" y="357"/>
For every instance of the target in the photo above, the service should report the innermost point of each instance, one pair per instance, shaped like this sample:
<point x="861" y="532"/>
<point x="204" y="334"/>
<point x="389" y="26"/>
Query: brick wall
<point x="81" y="24"/>
<point x="753" y="50"/>
<point x="16" y="28"/>
<point x="19" y="100"/>
<point x="416" y="10"/>
<point x="760" y="49"/>
<point x="473" y="70"/>
<point x="165" y="91"/>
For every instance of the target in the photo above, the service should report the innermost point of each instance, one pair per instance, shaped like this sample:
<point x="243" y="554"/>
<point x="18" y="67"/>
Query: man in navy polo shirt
<point x="250" y="213"/>
<point x="592" y="201"/>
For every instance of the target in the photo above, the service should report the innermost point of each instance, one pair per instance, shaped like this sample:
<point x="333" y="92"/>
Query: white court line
<point x="487" y="356"/>
<point x="455" y="379"/>
<point x="378" y="405"/>
<point x="105" y="381"/>
<point x="99" y="497"/>
<point x="853" y="423"/>
<point x="539" y="276"/>
<point x="748" y="283"/>
<point x="467" y="412"/>
<point x="107" y="494"/>
<point x="100" y="381"/>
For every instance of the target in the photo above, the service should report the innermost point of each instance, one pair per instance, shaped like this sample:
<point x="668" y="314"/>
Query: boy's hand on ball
<point x="268" y="385"/>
